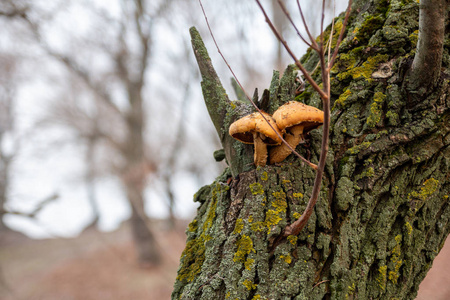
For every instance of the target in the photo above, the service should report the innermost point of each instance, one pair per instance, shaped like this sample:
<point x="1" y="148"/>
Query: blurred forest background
<point x="104" y="137"/>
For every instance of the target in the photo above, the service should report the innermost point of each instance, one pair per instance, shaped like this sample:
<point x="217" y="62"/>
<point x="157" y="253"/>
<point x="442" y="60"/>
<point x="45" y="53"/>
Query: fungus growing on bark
<point x="254" y="129"/>
<point x="294" y="119"/>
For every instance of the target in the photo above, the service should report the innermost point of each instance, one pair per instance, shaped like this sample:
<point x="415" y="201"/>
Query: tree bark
<point x="383" y="212"/>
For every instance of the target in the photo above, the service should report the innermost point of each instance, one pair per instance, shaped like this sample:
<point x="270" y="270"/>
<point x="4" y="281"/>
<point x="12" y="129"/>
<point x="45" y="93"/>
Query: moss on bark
<point x="383" y="212"/>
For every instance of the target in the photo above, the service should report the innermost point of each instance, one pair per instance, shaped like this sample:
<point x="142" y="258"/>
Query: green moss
<point x="376" y="109"/>
<point x="393" y="118"/>
<point x="366" y="69"/>
<point x="256" y="188"/>
<point x="370" y="25"/>
<point x="356" y="149"/>
<point x="367" y="173"/>
<point x="335" y="35"/>
<point x="239" y="226"/>
<point x="244" y="247"/>
<point x="303" y="96"/>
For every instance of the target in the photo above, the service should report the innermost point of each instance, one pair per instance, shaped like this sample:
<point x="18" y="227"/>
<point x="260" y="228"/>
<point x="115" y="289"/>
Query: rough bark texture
<point x="383" y="213"/>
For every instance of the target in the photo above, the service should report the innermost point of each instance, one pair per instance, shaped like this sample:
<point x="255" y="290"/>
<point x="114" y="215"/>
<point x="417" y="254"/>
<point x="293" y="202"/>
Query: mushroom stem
<point x="279" y="153"/>
<point x="260" y="156"/>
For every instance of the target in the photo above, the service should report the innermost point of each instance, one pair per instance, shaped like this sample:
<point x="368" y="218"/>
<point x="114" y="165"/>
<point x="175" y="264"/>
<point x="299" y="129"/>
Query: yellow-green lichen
<point x="233" y="106"/>
<point x="429" y="187"/>
<point x="351" y="289"/>
<point x="256" y="188"/>
<point x="395" y="259"/>
<point x="211" y="210"/>
<point x="297" y="215"/>
<point x="257" y="297"/>
<point x="356" y="149"/>
<point x="272" y="219"/>
<point x="257" y="226"/>
<point x="381" y="277"/>
<point x="193" y="255"/>
<point x="192" y="258"/>
<point x="343" y="97"/>
<point x="244" y="247"/>
<point x="264" y="176"/>
<point x="249" y="263"/>
<point x="249" y="285"/>
<point x="366" y="69"/>
<point x="287" y="258"/>
<point x="192" y="227"/>
<point x="238" y="226"/>
<point x="393" y="117"/>
<point x="409" y="228"/>
<point x="297" y="195"/>
<point x="376" y="109"/>
<point x="413" y="38"/>
<point x="292" y="239"/>
<point x="335" y="35"/>
<point x="279" y="203"/>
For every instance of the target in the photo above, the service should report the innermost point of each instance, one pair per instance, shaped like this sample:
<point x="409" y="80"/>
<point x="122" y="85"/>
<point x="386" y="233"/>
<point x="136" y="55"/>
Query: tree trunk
<point x="383" y="212"/>
<point x="134" y="180"/>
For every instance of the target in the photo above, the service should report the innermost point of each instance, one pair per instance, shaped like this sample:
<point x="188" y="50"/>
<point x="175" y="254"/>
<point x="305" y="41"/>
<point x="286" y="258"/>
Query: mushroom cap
<point x="295" y="113"/>
<point x="243" y="129"/>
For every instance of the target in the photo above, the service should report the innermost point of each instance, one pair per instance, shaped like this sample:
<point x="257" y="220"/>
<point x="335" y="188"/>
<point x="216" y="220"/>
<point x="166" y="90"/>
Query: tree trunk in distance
<point x="134" y="180"/>
<point x="383" y="212"/>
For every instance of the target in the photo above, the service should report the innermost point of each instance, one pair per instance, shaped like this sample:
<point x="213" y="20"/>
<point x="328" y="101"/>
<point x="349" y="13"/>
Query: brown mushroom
<point x="294" y="119"/>
<point x="254" y="129"/>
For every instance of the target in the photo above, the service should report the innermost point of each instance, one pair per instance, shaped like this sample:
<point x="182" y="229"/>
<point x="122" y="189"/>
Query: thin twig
<point x="251" y="101"/>
<point x="341" y="35"/>
<point x="286" y="12"/>
<point x="311" y="38"/>
<point x="324" y="92"/>
<point x="34" y="212"/>
<point x="291" y="53"/>
<point x="323" y="281"/>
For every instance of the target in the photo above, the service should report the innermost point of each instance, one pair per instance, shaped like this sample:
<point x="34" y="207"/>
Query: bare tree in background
<point x="129" y="54"/>
<point x="7" y="93"/>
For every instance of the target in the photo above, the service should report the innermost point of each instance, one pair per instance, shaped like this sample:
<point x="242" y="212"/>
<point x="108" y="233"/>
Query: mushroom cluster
<point x="292" y="120"/>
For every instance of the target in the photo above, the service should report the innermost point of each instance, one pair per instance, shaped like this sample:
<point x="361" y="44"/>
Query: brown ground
<point x="97" y="266"/>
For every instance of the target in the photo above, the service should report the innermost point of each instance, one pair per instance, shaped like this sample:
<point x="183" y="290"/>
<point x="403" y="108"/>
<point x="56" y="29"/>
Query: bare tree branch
<point x="426" y="67"/>
<point x="34" y="212"/>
